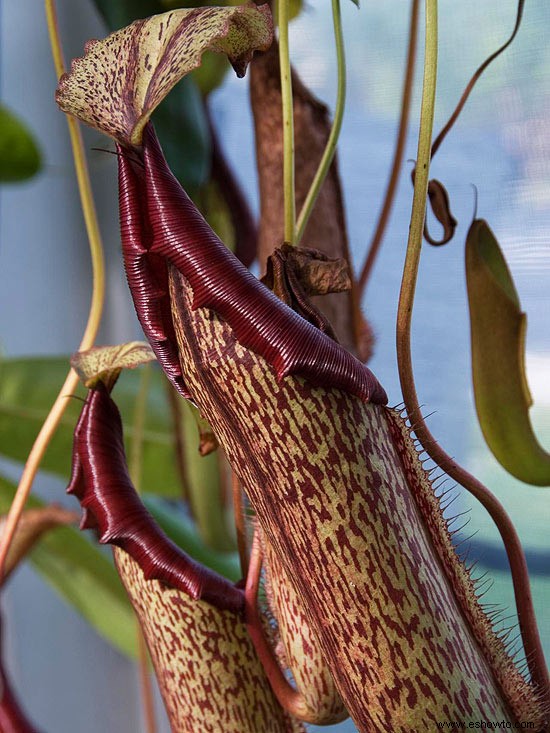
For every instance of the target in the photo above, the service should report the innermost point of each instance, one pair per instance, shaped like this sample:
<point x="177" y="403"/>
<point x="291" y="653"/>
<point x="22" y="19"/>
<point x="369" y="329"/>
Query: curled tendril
<point x="437" y="194"/>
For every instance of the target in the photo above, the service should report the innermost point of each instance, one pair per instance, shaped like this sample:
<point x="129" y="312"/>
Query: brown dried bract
<point x="296" y="273"/>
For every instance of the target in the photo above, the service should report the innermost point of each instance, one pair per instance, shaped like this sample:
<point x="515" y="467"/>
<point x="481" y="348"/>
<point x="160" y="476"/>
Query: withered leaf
<point x="296" y="273"/>
<point x="441" y="208"/>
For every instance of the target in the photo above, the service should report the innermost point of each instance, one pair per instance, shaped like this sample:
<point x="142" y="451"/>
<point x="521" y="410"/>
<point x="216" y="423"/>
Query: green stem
<point x="330" y="149"/>
<point x="520" y="576"/>
<point x="288" y="125"/>
<point x="70" y="384"/>
<point x="414" y="244"/>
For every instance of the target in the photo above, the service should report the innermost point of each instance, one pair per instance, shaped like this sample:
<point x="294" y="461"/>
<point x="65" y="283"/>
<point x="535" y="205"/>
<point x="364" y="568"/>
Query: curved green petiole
<point x="498" y="329"/>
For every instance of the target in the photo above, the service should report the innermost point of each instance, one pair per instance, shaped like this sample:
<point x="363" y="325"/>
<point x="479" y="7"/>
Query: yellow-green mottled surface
<point x="344" y="502"/>
<point x="209" y="675"/>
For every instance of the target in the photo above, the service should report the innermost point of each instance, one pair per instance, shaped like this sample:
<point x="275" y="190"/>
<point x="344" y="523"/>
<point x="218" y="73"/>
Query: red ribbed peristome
<point x="101" y="482"/>
<point x="159" y="225"/>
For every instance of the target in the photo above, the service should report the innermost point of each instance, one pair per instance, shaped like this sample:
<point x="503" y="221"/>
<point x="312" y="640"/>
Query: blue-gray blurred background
<point x="69" y="678"/>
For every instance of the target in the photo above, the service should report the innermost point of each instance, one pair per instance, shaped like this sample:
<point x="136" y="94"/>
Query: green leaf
<point x="28" y="388"/>
<point x="498" y="330"/>
<point x="211" y="73"/>
<point x="20" y="157"/>
<point x="182" y="127"/>
<point x="84" y="576"/>
<point x="119" y="13"/>
<point x="204" y="485"/>
<point x="182" y="531"/>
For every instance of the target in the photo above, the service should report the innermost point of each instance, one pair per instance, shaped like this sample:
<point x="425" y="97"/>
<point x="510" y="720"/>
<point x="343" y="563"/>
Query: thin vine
<point x="520" y="576"/>
<point x="398" y="154"/>
<point x="288" y="697"/>
<point x="96" y="307"/>
<point x="288" y="124"/>
<point x="471" y="84"/>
